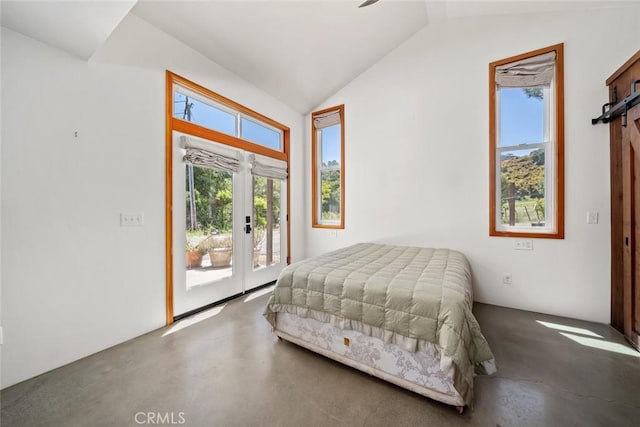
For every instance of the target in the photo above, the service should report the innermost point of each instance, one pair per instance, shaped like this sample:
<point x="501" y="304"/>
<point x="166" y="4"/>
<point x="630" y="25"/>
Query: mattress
<point x="413" y="298"/>
<point x="419" y="371"/>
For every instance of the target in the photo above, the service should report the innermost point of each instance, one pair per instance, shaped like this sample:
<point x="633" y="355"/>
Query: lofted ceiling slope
<point x="78" y="27"/>
<point x="299" y="51"/>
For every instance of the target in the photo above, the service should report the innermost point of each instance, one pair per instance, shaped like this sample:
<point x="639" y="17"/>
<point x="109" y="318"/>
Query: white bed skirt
<point x="419" y="372"/>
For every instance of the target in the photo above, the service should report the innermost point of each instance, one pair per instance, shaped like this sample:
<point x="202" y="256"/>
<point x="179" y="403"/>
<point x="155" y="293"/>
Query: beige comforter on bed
<point x="400" y="294"/>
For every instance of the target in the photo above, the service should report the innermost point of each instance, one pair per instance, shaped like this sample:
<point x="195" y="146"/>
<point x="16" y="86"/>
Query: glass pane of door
<point x="266" y="222"/>
<point x="207" y="203"/>
<point x="209" y="225"/>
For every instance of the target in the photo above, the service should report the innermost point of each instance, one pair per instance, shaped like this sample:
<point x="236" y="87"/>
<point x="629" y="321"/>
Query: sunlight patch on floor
<point x="569" y="329"/>
<point x="259" y="293"/>
<point x="602" y="344"/>
<point x="192" y="320"/>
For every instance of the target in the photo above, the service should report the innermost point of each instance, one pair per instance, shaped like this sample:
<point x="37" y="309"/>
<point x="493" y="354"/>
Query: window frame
<point x="225" y="104"/>
<point x="554" y="172"/>
<point x="316" y="170"/>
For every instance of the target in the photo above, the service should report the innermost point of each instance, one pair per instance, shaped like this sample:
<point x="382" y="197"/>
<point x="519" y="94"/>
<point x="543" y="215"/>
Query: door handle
<point x="247" y="228"/>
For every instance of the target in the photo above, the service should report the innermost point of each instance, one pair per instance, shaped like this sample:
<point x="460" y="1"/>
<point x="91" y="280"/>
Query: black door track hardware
<point x="621" y="108"/>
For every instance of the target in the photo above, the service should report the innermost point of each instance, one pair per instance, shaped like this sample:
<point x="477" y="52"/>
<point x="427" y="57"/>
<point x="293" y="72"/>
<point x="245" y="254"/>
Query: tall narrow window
<point x="526" y="138"/>
<point x="328" y="167"/>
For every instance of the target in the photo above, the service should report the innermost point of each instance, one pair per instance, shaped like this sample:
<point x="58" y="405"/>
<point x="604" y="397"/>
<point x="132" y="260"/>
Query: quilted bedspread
<point x="402" y="295"/>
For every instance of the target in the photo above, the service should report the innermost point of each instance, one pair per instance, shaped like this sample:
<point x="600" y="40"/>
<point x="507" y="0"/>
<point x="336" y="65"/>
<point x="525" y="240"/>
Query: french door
<point x="229" y="219"/>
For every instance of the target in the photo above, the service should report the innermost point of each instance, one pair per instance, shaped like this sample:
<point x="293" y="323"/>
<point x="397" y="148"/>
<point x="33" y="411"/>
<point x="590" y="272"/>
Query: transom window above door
<point x="231" y="123"/>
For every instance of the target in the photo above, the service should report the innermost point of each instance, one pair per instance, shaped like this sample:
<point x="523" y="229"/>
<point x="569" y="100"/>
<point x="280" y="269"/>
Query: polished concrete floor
<point x="225" y="368"/>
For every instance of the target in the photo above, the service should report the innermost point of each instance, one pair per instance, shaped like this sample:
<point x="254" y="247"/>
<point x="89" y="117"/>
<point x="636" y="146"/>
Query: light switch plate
<point x="131" y="219"/>
<point x="523" y="244"/>
<point x="592" y="217"/>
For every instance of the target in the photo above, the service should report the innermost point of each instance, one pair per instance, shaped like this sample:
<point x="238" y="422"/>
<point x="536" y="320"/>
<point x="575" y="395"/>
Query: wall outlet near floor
<point x="131" y="219"/>
<point x="523" y="244"/>
<point x="592" y="217"/>
<point x="507" y="279"/>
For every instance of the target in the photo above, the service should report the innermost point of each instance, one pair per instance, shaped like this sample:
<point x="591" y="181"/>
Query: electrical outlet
<point x="333" y="233"/>
<point x="507" y="279"/>
<point x="592" y="217"/>
<point x="131" y="219"/>
<point x="523" y="244"/>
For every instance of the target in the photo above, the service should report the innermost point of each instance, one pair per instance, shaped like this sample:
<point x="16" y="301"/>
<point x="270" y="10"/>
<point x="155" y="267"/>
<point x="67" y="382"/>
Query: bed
<point x="399" y="313"/>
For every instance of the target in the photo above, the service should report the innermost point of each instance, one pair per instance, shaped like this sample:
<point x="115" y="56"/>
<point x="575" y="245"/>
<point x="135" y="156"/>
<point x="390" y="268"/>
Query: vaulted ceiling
<point x="299" y="51"/>
<point x="74" y="26"/>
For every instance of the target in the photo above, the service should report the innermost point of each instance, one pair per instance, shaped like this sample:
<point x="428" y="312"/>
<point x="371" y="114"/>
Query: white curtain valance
<point x="208" y="155"/>
<point x="268" y="167"/>
<point x="327" y="119"/>
<point x="529" y="72"/>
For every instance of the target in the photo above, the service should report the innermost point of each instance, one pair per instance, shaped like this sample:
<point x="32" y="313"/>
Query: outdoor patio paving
<point x="207" y="273"/>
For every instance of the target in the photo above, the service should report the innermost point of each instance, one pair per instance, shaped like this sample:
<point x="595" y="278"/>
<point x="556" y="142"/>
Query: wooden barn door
<point x="631" y="224"/>
<point x="624" y="86"/>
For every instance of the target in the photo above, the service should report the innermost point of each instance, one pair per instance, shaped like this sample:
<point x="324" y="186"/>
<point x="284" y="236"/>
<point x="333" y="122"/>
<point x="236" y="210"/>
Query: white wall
<point x="1" y="273"/>
<point x="74" y="282"/>
<point x="417" y="155"/>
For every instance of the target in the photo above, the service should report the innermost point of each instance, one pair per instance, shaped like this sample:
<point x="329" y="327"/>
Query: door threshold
<point x="222" y="301"/>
